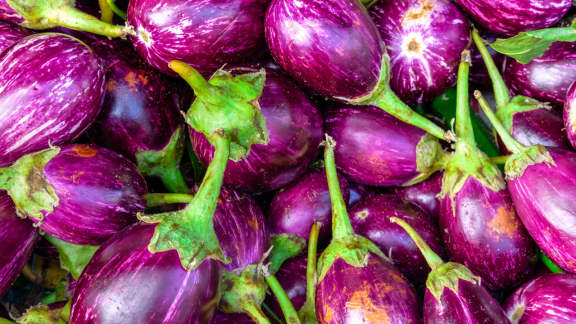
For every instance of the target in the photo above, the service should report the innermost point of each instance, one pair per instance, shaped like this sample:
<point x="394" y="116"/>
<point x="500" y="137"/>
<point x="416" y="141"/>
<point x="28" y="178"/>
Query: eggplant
<point x="334" y="48"/>
<point x="140" y="116"/>
<point x="292" y="277"/>
<point x="529" y="120"/>
<point x="126" y="283"/>
<point x="511" y="17"/>
<point x="477" y="220"/>
<point x="453" y="294"/>
<point x="424" y="195"/>
<point x="356" y="282"/>
<point x="51" y="90"/>
<point x="359" y="192"/>
<point x="569" y="114"/>
<point x="18" y="238"/>
<point x="376" y="149"/>
<point x="78" y="193"/>
<point x="371" y="218"/>
<point x="294" y="126"/>
<point x="546" y="299"/>
<point x="226" y="318"/>
<point x="10" y="34"/>
<point x="424" y="40"/>
<point x="205" y="34"/>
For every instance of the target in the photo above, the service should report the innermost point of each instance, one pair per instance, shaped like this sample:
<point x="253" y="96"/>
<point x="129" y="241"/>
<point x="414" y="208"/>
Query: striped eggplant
<point x="424" y="39"/>
<point x="126" y="283"/>
<point x="376" y="149"/>
<point x="18" y="238"/>
<point x="51" y="90"/>
<point x="10" y="34"/>
<point x="569" y="114"/>
<point x="205" y="34"/>
<point x="78" y="193"/>
<point x="424" y="195"/>
<point x="509" y="17"/>
<point x="547" y="299"/>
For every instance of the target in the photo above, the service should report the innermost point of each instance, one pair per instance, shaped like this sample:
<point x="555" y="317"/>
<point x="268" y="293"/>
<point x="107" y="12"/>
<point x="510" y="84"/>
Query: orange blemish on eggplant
<point x="143" y="78"/>
<point x="423" y="12"/>
<point x="328" y="314"/>
<point x="76" y="175"/>
<point x="253" y="223"/>
<point x="84" y="151"/>
<point x="504" y="222"/>
<point x="371" y="312"/>
<point x="132" y="79"/>
<point x="111" y="85"/>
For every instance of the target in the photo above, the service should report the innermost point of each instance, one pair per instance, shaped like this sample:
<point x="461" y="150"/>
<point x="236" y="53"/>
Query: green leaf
<point x="73" y="257"/>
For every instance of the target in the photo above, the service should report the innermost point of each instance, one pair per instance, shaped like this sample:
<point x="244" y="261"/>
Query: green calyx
<point x="284" y="246"/>
<point x="165" y="163"/>
<point x="73" y="257"/>
<point x="518" y="104"/>
<point x="429" y="158"/>
<point x="531" y="155"/>
<point x="27" y="185"/>
<point x="42" y="314"/>
<point x="448" y="276"/>
<point x="244" y="293"/>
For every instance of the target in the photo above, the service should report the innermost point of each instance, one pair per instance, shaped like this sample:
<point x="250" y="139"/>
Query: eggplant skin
<point x="376" y="293"/>
<point x="51" y="90"/>
<point x="540" y="126"/>
<point x="8" y="14"/>
<point x="126" y="284"/>
<point x="547" y="299"/>
<point x="424" y="195"/>
<point x="10" y="34"/>
<point x="18" y="238"/>
<point x="292" y="277"/>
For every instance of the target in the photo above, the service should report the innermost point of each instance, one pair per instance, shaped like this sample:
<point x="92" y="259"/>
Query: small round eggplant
<point x="10" y="34"/>
<point x="295" y="129"/>
<point x="546" y="299"/>
<point x="376" y="149"/>
<point x="205" y="34"/>
<point x="509" y="17"/>
<point x="125" y="283"/>
<point x="51" y="90"/>
<point x="424" y="195"/>
<point x="424" y="40"/>
<point x="18" y="237"/>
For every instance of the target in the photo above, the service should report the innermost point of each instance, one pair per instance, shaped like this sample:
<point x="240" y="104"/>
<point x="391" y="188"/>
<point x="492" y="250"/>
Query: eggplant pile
<point x="287" y="161"/>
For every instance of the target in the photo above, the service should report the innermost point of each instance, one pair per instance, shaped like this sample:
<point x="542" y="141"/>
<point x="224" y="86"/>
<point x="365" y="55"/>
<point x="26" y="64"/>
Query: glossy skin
<point x="546" y="299"/>
<point x="295" y="130"/>
<point x="51" y="90"/>
<point x="205" y="34"/>
<point x="232" y="318"/>
<point x="540" y="126"/>
<point x="292" y="277"/>
<point x="569" y="114"/>
<point x="8" y="14"/>
<point x="332" y="47"/>
<point x="472" y="305"/>
<point x="371" y="219"/>
<point x="546" y="78"/>
<point x="125" y="283"/>
<point x="511" y="17"/>
<point x="373" y="148"/>
<point x="376" y="293"/>
<point x="100" y="193"/>
<point x="424" y="195"/>
<point x="485" y="234"/>
<point x="544" y="200"/>
<point x="296" y="207"/>
<point x="18" y="238"/>
<point x="359" y="192"/>
<point x="424" y="40"/>
<point x="10" y="34"/>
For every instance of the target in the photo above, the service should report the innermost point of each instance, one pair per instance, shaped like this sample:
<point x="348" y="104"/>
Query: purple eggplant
<point x="424" y="195"/>
<point x="18" y="237"/>
<point x="205" y="34"/>
<point x="424" y="40"/>
<point x="371" y="218"/>
<point x="376" y="149"/>
<point x="226" y="318"/>
<point x="10" y="34"/>
<point x="546" y="78"/>
<point x="292" y="277"/>
<point x="509" y="17"/>
<point x="334" y="48"/>
<point x="78" y="193"/>
<point x="295" y="130"/>
<point x="126" y="283"/>
<point x="453" y="294"/>
<point x="569" y="115"/>
<point x="51" y="90"/>
<point x="546" y="299"/>
<point x="359" y="192"/>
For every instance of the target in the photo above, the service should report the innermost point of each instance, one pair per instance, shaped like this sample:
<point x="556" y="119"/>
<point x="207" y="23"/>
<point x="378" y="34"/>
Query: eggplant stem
<point x="433" y="260"/>
<point x="73" y="18"/>
<point x="500" y="159"/>
<point x="173" y="179"/>
<point x="550" y="264"/>
<point x="119" y="12"/>
<point x="31" y="275"/>
<point x="106" y="13"/>
<point x="194" y="79"/>
<point x="464" y="130"/>
<point x="307" y="311"/>
<point x="160" y="199"/>
<point x="290" y="313"/>
<point x="511" y="144"/>
<point x="255" y="313"/>
<point x="501" y="93"/>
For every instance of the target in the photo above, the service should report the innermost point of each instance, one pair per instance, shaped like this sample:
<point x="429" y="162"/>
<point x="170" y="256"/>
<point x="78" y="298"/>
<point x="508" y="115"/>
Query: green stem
<point x="511" y="144"/>
<point x="5" y="321"/>
<point x="550" y="265"/>
<point x="173" y="180"/>
<point x="106" y="13"/>
<point x="194" y="79"/>
<point x="464" y="130"/>
<point x="307" y="311"/>
<point x="160" y="199"/>
<point x="31" y="275"/>
<point x="500" y="159"/>
<point x="501" y="93"/>
<point x="433" y="260"/>
<point x="284" y="246"/>
<point x="256" y="313"/>
<point x="290" y="313"/>
<point x="119" y="12"/>
<point x="75" y="19"/>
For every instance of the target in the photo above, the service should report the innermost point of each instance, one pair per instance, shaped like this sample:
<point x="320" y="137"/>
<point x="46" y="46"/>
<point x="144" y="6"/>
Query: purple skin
<point x="569" y="115"/>
<point x="125" y="283"/>
<point x="18" y="237"/>
<point x="424" y="195"/>
<point x="8" y="14"/>
<point x="374" y="148"/>
<point x="424" y="40"/>
<point x="104" y="185"/>
<point x="51" y="90"/>
<point x="546" y="78"/>
<point x="546" y="299"/>
<point x="509" y="17"/>
<point x="10" y="34"/>
<point x="358" y="192"/>
<point x="205" y="34"/>
<point x="482" y="231"/>
<point x="544" y="199"/>
<point x="292" y="277"/>
<point x="376" y="293"/>
<point x="332" y="47"/>
<point x="371" y="219"/>
<point x="295" y="129"/>
<point x="296" y="207"/>
<point x="232" y="318"/>
<point x="540" y="126"/>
